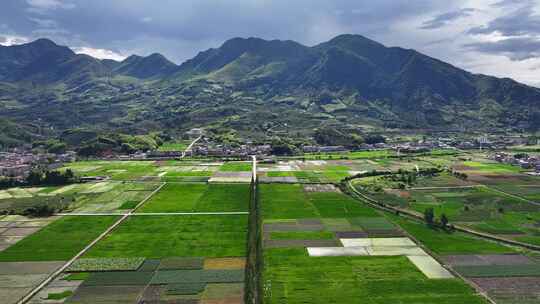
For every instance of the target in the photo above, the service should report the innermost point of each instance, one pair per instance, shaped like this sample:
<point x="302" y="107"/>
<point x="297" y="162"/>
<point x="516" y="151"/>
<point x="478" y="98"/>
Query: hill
<point x="258" y="88"/>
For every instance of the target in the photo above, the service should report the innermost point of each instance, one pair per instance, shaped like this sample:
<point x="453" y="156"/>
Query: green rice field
<point x="170" y="250"/>
<point x="174" y="146"/>
<point x="293" y="217"/>
<point x="198" y="197"/>
<point x="170" y="236"/>
<point x="59" y="241"/>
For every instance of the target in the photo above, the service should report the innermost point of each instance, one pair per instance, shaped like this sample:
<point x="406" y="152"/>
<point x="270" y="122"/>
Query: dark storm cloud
<point x="521" y="28"/>
<point x="181" y="28"/>
<point x="523" y="21"/>
<point x="506" y="3"/>
<point x="514" y="48"/>
<point x="446" y="18"/>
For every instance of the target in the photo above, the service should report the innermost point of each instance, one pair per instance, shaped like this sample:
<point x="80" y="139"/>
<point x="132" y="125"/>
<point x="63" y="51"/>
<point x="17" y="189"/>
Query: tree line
<point x="41" y="178"/>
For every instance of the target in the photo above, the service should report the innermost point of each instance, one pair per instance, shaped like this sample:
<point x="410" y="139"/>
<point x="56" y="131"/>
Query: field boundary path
<point x="155" y="213"/>
<point x="59" y="271"/>
<point x="254" y="263"/>
<point x="494" y="189"/>
<point x="479" y="185"/>
<point x="190" y="146"/>
<point x="442" y="188"/>
<point x="381" y="206"/>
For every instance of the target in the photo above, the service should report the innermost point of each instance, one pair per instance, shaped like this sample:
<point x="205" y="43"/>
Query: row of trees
<point x="460" y="175"/>
<point x="431" y="220"/>
<point x="39" y="178"/>
<point x="52" y="178"/>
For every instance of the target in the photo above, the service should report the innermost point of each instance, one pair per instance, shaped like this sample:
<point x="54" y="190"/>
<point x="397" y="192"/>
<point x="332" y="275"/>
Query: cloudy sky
<point x="496" y="37"/>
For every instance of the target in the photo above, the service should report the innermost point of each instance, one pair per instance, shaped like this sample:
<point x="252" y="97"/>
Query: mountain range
<point x="256" y="88"/>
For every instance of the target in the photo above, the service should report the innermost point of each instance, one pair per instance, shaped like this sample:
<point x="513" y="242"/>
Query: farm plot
<point x="105" y="264"/>
<point x="58" y="241"/>
<point x="117" y="170"/>
<point x="190" y="176"/>
<point x="162" y="281"/>
<point x="386" y="247"/>
<point x="85" y="197"/>
<point x="530" y="192"/>
<point x="350" y="155"/>
<point x="14" y="228"/>
<point x="174" y="197"/>
<point x="487" y="166"/>
<point x="354" y="279"/>
<point x="16" y="204"/>
<point x="442" y="180"/>
<point x="326" y="224"/>
<point x="231" y="177"/>
<point x="504" y="274"/>
<point x="121" y="196"/>
<point x="443" y="243"/>
<point x="164" y="258"/>
<point x="285" y="201"/>
<point x="18" y="278"/>
<point x="193" y="197"/>
<point x="224" y="197"/>
<point x="173" y="146"/>
<point x="479" y="207"/>
<point x="175" y="236"/>
<point x="186" y="172"/>
<point x="236" y="167"/>
<point x="511" y="290"/>
<point x="486" y="271"/>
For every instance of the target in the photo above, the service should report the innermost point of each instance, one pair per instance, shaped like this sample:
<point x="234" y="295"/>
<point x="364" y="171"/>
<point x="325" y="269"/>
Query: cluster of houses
<point x="231" y="151"/>
<point x="490" y="143"/>
<point x="18" y="163"/>
<point x="408" y="147"/>
<point x="323" y="149"/>
<point x="524" y="161"/>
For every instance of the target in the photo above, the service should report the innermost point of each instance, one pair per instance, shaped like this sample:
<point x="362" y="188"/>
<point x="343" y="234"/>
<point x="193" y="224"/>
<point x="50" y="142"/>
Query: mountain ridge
<point x="349" y="81"/>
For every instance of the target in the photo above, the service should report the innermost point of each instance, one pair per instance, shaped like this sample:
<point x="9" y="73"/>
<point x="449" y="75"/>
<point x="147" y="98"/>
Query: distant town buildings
<point x="524" y="161"/>
<point x="195" y="132"/>
<point x="209" y="149"/>
<point x="18" y="163"/>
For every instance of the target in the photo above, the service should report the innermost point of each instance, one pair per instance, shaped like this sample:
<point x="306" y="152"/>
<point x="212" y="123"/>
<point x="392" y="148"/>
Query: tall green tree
<point x="429" y="216"/>
<point x="444" y="221"/>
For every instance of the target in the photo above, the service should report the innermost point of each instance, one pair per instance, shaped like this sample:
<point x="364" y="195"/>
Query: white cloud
<point x="8" y="40"/>
<point x="180" y="29"/>
<point x="49" y="23"/>
<point x="147" y="19"/>
<point x="99" y="53"/>
<point x="42" y="6"/>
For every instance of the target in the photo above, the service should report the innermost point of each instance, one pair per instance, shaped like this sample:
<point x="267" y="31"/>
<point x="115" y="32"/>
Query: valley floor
<point x="181" y="232"/>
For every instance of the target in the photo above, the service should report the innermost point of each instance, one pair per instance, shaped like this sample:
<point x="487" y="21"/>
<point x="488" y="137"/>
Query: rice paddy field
<point x="494" y="198"/>
<point x="58" y="241"/>
<point x="505" y="274"/>
<point x="170" y="259"/>
<point x="104" y="197"/>
<point x="187" y="241"/>
<point x="299" y="219"/>
<point x="176" y="146"/>
<point x="170" y="250"/>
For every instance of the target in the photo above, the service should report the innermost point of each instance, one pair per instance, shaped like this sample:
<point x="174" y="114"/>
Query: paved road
<point x="190" y="146"/>
<point x="254" y="167"/>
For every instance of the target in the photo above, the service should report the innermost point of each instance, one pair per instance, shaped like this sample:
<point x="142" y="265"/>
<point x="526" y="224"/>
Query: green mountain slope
<point x="155" y="65"/>
<point x="258" y="87"/>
